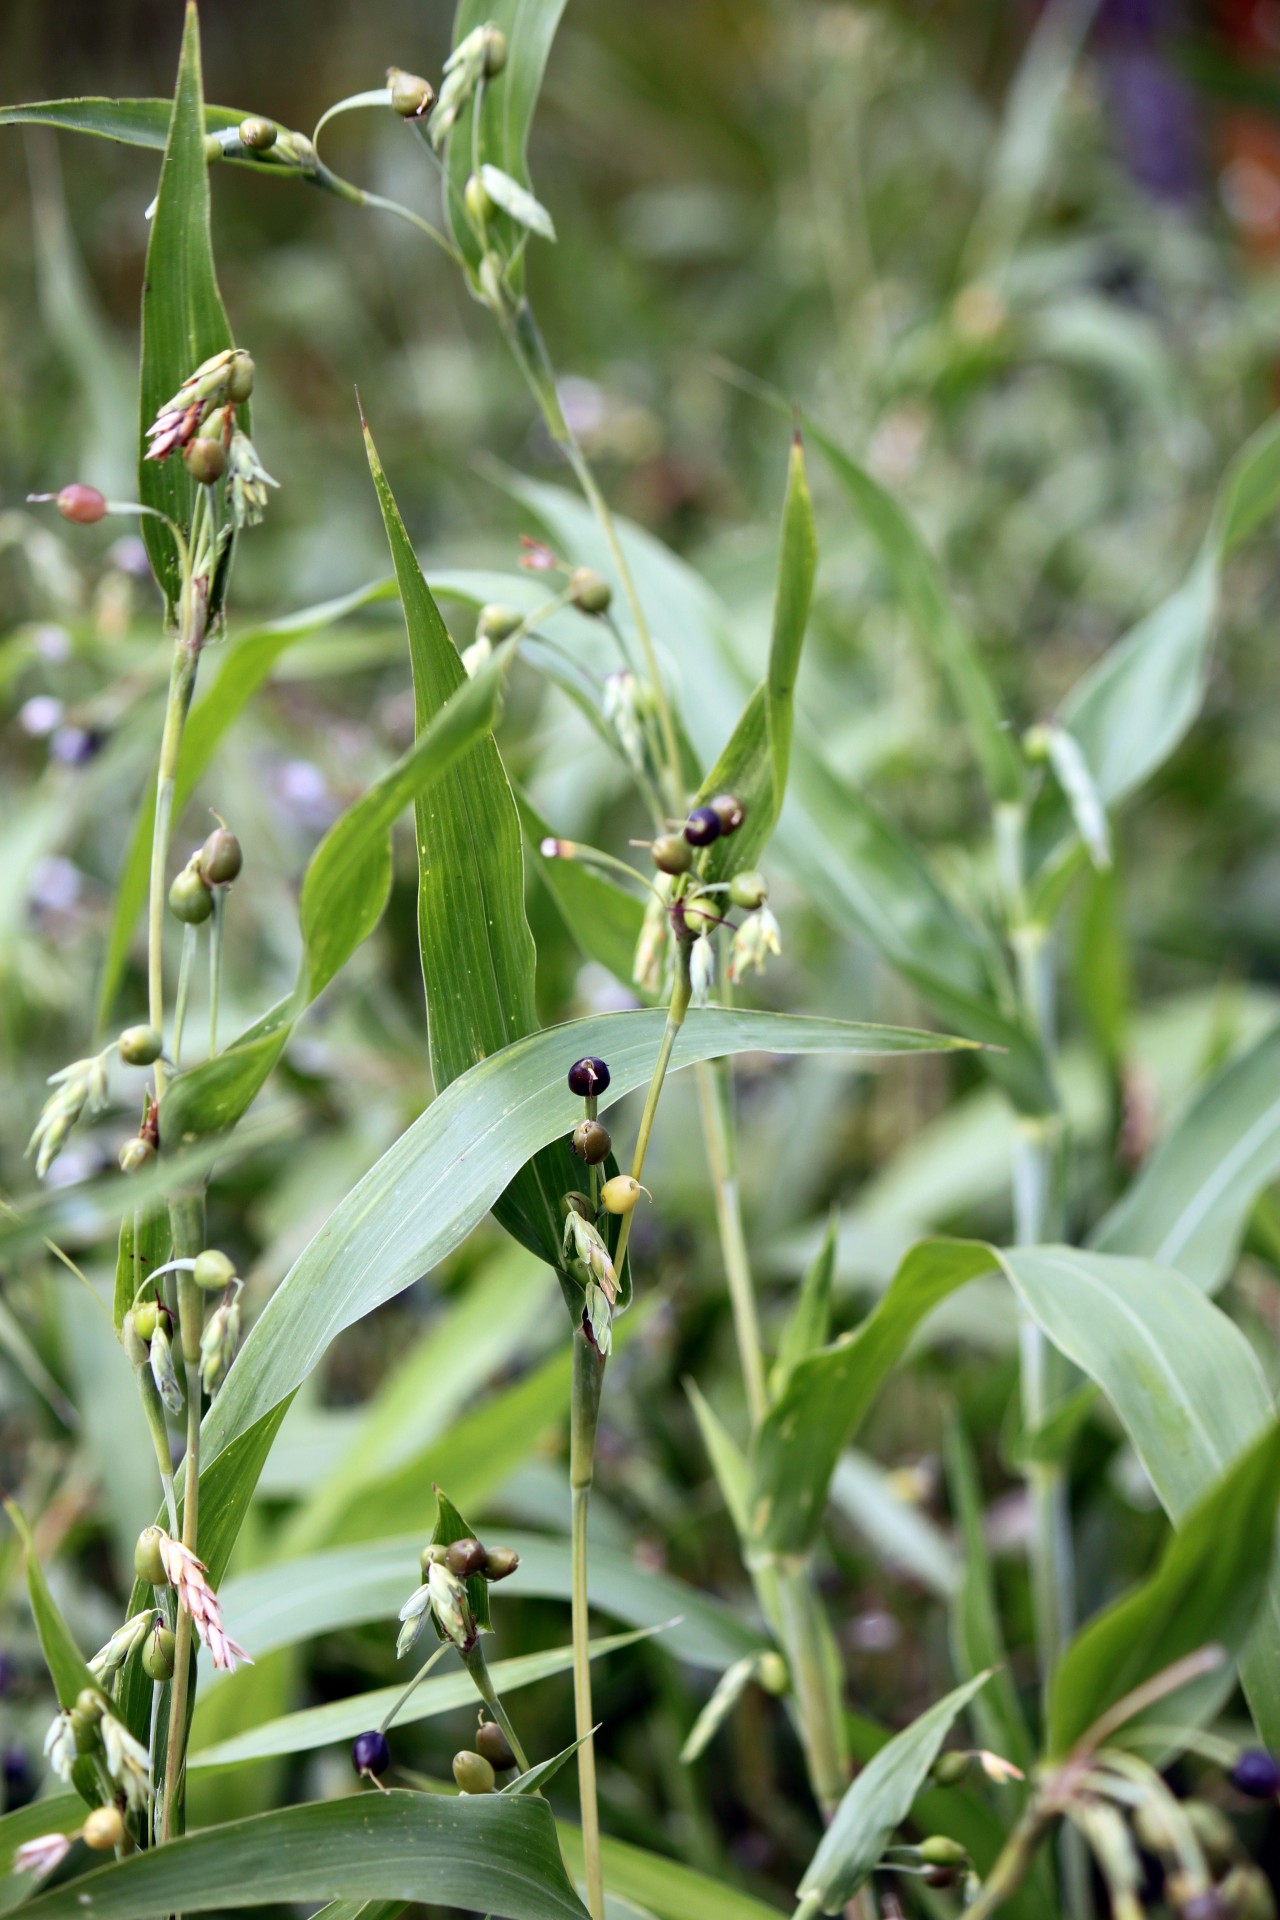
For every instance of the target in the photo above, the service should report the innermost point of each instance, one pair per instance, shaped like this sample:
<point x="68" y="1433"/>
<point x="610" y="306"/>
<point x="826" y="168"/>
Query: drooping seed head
<point x="370" y="1753"/>
<point x="588" y="1076"/>
<point x="473" y="1772"/>
<point x="147" y="1563"/>
<point x="84" y="505"/>
<point x="672" y="853"/>
<point x="702" y="827"/>
<point x="497" y="622"/>
<point x="411" y="96"/>
<point x="591" y="1142"/>
<point x="620" y="1194"/>
<point x="493" y="1745"/>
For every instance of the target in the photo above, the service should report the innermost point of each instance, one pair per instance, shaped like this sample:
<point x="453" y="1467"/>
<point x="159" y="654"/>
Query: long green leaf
<point x="477" y="951"/>
<point x="183" y="319"/>
<point x="916" y="575"/>
<point x="63" y="1658"/>
<point x="1189" y="1205"/>
<point x="136" y="123"/>
<point x="828" y="1394"/>
<point x="976" y="1638"/>
<point x="1206" y="1590"/>
<point x="341" y="1720"/>
<point x="879" y="1801"/>
<point x="485" y="1853"/>
<point x="441" y="1177"/>
<point x="665" y="1888"/>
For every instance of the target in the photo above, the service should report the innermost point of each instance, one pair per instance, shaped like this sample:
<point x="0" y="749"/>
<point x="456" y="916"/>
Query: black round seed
<point x="588" y="1076"/>
<point x="702" y="827"/>
<point x="370" y="1753"/>
<point x="1256" y="1773"/>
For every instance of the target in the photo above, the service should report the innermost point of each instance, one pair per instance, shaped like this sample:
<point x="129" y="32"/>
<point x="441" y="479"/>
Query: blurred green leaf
<point x="879" y="1801"/>
<point x="977" y="1641"/>
<point x="808" y="1324"/>
<point x="1205" y="1591"/>
<point x="66" y="1664"/>
<point x="183" y="319"/>
<point x="137" y="123"/>
<point x="603" y="918"/>
<point x="920" y="585"/>
<point x="1190" y="1203"/>
<point x="666" y="1888"/>
<point x="485" y="1853"/>
<point x="828" y="1394"/>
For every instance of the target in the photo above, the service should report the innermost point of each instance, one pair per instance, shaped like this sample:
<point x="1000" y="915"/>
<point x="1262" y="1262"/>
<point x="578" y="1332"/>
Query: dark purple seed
<point x="19" y="1779"/>
<point x="702" y="827"/>
<point x="1256" y="1773"/>
<point x="370" y="1753"/>
<point x="588" y="1076"/>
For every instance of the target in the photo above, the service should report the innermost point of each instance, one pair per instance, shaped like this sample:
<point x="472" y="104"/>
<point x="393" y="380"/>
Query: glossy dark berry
<point x="702" y="827"/>
<point x="492" y="1745"/>
<point x="370" y="1753"/>
<point x="588" y="1076"/>
<point x="465" y="1557"/>
<point x="1256" y="1773"/>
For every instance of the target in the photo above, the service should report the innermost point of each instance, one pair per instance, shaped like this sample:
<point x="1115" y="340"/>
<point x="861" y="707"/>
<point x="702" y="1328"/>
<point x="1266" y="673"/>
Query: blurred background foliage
<point x="1047" y="341"/>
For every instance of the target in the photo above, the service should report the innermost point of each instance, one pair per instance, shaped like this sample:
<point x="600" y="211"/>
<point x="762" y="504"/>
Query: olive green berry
<point x="140" y="1046"/>
<point x="589" y="593"/>
<point x="240" y="378"/>
<point x="147" y="1563"/>
<point x="473" y="1772"/>
<point x="158" y="1654"/>
<point x="748" y="890"/>
<point x="672" y="853"/>
<point x="939" y="1850"/>
<point x="949" y="1769"/>
<point x="189" y="898"/>
<point x="493" y="1745"/>
<point x="500" y="1563"/>
<point x="84" y="1730"/>
<point x="576" y="1203"/>
<point x="134" y="1154"/>
<point x="772" y="1673"/>
<point x="410" y="95"/>
<point x="213" y="1271"/>
<point x="478" y="201"/>
<point x="495" y="52"/>
<point x="91" y="1704"/>
<point x="206" y="460"/>
<point x="220" y="858"/>
<point x="257" y="134"/>
<point x="432" y="1555"/>
<point x="498" y="622"/>
<point x="146" y="1316"/>
<point x="592" y="1142"/>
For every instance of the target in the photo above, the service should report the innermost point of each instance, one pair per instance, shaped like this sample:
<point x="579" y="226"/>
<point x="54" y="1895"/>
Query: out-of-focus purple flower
<point x="39" y="715"/>
<point x="74" y="746"/>
<point x="1152" y="110"/>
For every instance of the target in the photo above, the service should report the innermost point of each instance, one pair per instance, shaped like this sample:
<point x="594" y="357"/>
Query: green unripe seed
<point x="748" y="890"/>
<point x="432" y="1554"/>
<point x="592" y="1142"/>
<point x="158" y="1654"/>
<point x="213" y="1271"/>
<point x="672" y="853"/>
<point x="240" y="378"/>
<point x="206" y="461"/>
<point x="495" y="52"/>
<point x="939" y="1850"/>
<point x="500" y="1563"/>
<point x="493" y="1745"/>
<point x="497" y="622"/>
<point x="620" y="1194"/>
<point x="147" y="1563"/>
<point x="465" y="1557"/>
<point x="213" y="147"/>
<point x="140" y="1046"/>
<point x="773" y="1675"/>
<point x="220" y="858"/>
<point x="134" y="1155"/>
<point x="91" y="1705"/>
<point x="257" y="134"/>
<point x="478" y="201"/>
<point x="189" y="898"/>
<point x="411" y="96"/>
<point x="103" y="1829"/>
<point x="949" y="1769"/>
<point x="146" y="1317"/>
<point x="473" y="1772"/>
<point x="576" y="1203"/>
<point x="589" y="593"/>
<point x="84" y="1730"/>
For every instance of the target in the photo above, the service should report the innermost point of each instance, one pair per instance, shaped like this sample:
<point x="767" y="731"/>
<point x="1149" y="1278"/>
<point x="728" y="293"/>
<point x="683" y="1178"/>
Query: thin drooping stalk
<point x="678" y="1006"/>
<point x="715" y="1090"/>
<point x="588" y="1378"/>
<point x="186" y="1213"/>
<point x="184" y="990"/>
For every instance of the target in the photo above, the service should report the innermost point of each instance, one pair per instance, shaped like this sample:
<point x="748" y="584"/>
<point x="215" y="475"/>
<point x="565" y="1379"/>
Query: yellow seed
<point x="620" y="1194"/>
<point x="103" y="1830"/>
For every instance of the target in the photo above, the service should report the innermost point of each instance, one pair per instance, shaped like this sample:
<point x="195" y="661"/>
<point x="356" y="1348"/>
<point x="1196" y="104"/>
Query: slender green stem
<point x="715" y="1089"/>
<point x="676" y="1011"/>
<point x="189" y="937"/>
<point x="817" y="1702"/>
<point x="431" y="1661"/>
<point x="215" y="965"/>
<point x="182" y="680"/>
<point x="810" y="1905"/>
<point x="588" y="1377"/>
<point x="154" y="1411"/>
